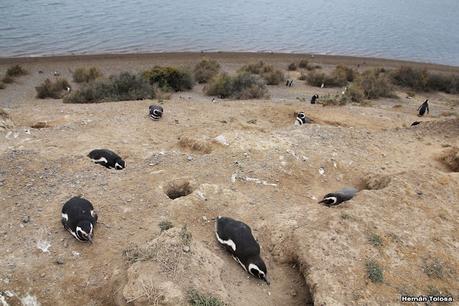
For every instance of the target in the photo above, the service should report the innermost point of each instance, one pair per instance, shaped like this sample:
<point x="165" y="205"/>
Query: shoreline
<point x="235" y="57"/>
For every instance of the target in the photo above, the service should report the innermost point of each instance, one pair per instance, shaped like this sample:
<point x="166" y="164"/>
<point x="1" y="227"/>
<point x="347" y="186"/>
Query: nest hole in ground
<point x="374" y="182"/>
<point x="300" y="287"/>
<point x="179" y="188"/>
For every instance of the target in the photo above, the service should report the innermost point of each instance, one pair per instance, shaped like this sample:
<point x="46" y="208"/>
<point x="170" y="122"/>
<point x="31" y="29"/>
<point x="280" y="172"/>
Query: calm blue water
<point x="422" y="30"/>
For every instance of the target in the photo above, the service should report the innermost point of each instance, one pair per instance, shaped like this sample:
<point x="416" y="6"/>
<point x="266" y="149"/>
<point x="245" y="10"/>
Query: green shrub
<point x="165" y="225"/>
<point x="83" y="75"/>
<point x="50" y="89"/>
<point x="205" y="70"/>
<point x="375" y="85"/>
<point x="242" y="86"/>
<point x="375" y="240"/>
<point x="267" y="72"/>
<point x="303" y="77"/>
<point x="122" y="87"/>
<point x="16" y="71"/>
<point x="414" y="78"/>
<point x="197" y="299"/>
<point x="304" y="63"/>
<point x="374" y="272"/>
<point x="355" y="93"/>
<point x="344" y="73"/>
<point x="169" y="78"/>
<point x="7" y="79"/>
<point x="443" y="82"/>
<point x="292" y="67"/>
<point x="340" y="76"/>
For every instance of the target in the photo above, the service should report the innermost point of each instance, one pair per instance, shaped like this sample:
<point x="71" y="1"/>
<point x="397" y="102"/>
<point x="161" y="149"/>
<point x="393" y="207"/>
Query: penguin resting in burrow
<point x="302" y="119"/>
<point x="340" y="196"/>
<point x="237" y="238"/>
<point x="155" y="112"/>
<point x="107" y="158"/>
<point x="79" y="218"/>
<point x="423" y="108"/>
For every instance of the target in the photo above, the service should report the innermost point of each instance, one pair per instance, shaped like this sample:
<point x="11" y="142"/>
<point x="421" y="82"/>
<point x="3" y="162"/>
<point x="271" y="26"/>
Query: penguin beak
<point x="323" y="201"/>
<point x="266" y="279"/>
<point x="90" y="239"/>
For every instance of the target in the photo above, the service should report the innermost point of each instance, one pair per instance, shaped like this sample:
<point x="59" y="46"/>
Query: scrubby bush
<point x="169" y="78"/>
<point x="7" y="79"/>
<point x="83" y="75"/>
<point x="374" y="272"/>
<point x="340" y="76"/>
<point x="303" y="77"/>
<point x="292" y="67"/>
<point x="414" y="78"/>
<point x="205" y="70"/>
<point x="304" y="63"/>
<point x="50" y="89"/>
<point x="125" y="86"/>
<point x="242" y="86"/>
<point x="443" y="82"/>
<point x="371" y="84"/>
<point x="267" y="72"/>
<point x="16" y="71"/>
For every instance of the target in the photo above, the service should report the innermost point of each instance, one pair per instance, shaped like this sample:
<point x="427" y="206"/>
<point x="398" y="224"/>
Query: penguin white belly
<point x="65" y="217"/>
<point x="102" y="159"/>
<point x="228" y="242"/>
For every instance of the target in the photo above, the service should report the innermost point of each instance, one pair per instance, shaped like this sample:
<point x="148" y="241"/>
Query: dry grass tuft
<point x="195" y="145"/>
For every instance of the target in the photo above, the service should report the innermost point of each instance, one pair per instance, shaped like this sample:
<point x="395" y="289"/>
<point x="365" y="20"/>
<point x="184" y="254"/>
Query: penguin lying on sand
<point x="415" y="123"/>
<point x="79" y="218"/>
<point x="237" y="238"/>
<point x="156" y="112"/>
<point x="302" y="119"/>
<point x="335" y="198"/>
<point x="423" y="108"/>
<point x="107" y="158"/>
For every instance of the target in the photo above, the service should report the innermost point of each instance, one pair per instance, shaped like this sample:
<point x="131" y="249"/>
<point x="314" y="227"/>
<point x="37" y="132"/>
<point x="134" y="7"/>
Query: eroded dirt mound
<point x="450" y="158"/>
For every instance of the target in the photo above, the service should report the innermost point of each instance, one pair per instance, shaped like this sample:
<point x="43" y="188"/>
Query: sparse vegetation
<point x="125" y="86"/>
<point x="267" y="72"/>
<point x="421" y="80"/>
<point x="185" y="235"/>
<point x="84" y="75"/>
<point x="15" y="71"/>
<point x="335" y="100"/>
<point x="169" y="78"/>
<point x="434" y="269"/>
<point x="304" y="63"/>
<point x="371" y="84"/>
<point x="292" y="67"/>
<point x="7" y="79"/>
<point x="197" y="299"/>
<point x="50" y="89"/>
<point x="205" y="70"/>
<point x="165" y="225"/>
<point x="338" y="77"/>
<point x="375" y="240"/>
<point x="374" y="271"/>
<point x="303" y="77"/>
<point x="242" y="86"/>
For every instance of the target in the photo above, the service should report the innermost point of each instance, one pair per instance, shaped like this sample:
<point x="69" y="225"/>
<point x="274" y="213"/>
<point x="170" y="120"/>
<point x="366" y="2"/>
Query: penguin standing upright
<point x="423" y="108"/>
<point x="314" y="99"/>
<point x="237" y="238"/>
<point x="155" y="112"/>
<point x="79" y="218"/>
<point x="335" y="198"/>
<point x="107" y="158"/>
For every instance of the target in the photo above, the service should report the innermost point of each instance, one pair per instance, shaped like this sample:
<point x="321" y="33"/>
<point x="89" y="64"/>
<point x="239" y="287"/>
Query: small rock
<point x="60" y="261"/>
<point x="189" y="158"/>
<point x="26" y="219"/>
<point x="293" y="292"/>
<point x="186" y="249"/>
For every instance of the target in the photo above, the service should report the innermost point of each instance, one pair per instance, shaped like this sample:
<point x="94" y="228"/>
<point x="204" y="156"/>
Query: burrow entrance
<point x="179" y="188"/>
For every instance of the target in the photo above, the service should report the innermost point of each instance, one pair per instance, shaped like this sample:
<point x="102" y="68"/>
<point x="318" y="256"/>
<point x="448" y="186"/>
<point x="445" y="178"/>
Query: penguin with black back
<point x="156" y="112"/>
<point x="79" y="218"/>
<point x="302" y="119"/>
<point x="314" y="99"/>
<point x="415" y="123"/>
<point x="237" y="239"/>
<point x="107" y="158"/>
<point x="338" y="197"/>
<point x="423" y="108"/>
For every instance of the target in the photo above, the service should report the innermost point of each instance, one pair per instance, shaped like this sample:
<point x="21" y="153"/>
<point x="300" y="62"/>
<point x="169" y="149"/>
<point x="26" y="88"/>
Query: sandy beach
<point x="271" y="175"/>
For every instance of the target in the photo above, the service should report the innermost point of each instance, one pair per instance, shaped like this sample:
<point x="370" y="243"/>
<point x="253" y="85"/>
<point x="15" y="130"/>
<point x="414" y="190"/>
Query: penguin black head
<point x="331" y="199"/>
<point x="258" y="269"/>
<point x="84" y="230"/>
<point x="120" y="164"/>
<point x="156" y="112"/>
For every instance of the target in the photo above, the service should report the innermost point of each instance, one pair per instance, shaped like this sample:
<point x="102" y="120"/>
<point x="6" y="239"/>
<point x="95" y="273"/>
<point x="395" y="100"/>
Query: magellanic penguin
<point x="314" y="99"/>
<point x="415" y="123"/>
<point x="335" y="198"/>
<point x="302" y="119"/>
<point x="155" y="112"/>
<point x="423" y="108"/>
<point x="107" y="158"/>
<point x="237" y="238"/>
<point x="79" y="218"/>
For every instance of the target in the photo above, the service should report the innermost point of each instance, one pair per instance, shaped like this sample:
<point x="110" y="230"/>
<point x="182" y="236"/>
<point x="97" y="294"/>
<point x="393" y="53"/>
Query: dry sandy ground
<point x="268" y="176"/>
